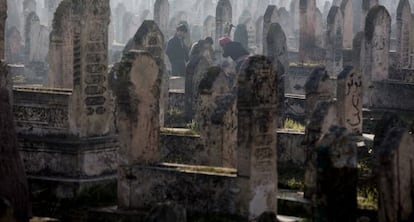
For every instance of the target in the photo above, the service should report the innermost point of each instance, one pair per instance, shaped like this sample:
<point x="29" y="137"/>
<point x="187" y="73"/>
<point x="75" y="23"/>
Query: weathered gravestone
<point x="375" y="58"/>
<point x="395" y="176"/>
<point x="271" y="16"/>
<point x="150" y="38"/>
<point x="320" y="33"/>
<point x="61" y="47"/>
<point x="14" y="46"/>
<point x="119" y="13"/>
<point x="357" y="45"/>
<point x="334" y="42"/>
<point x="137" y="90"/>
<point x="90" y="112"/>
<point x="216" y="116"/>
<point x="323" y="117"/>
<point x="36" y="38"/>
<point x="13" y="183"/>
<point x="278" y="53"/>
<point x="366" y="7"/>
<point x="162" y="14"/>
<point x="223" y="20"/>
<point x="387" y="122"/>
<point x="259" y="32"/>
<point x="348" y="15"/>
<point x="3" y="17"/>
<point x="404" y="33"/>
<point x="210" y="27"/>
<point x="349" y="100"/>
<point x="241" y="35"/>
<point x="337" y="177"/>
<point x="257" y="106"/>
<point x="307" y="36"/>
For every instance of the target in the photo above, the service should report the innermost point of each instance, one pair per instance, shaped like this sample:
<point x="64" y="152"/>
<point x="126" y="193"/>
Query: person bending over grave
<point x="234" y="50"/>
<point x="177" y="51"/>
<point x="202" y="48"/>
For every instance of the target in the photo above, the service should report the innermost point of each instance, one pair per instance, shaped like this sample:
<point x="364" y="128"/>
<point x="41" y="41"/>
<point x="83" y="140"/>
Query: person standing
<point x="177" y="51"/>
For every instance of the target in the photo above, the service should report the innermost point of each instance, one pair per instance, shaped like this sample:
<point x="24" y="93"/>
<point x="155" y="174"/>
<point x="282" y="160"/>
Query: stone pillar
<point x="257" y="106"/>
<point x="349" y="100"/>
<point x="91" y="108"/>
<point x="337" y="177"/>
<point x="404" y="33"/>
<point x="348" y="14"/>
<point x="278" y="53"/>
<point x="307" y="34"/>
<point x="217" y="118"/>
<point x="271" y="16"/>
<point x="334" y="42"/>
<point x="61" y="47"/>
<point x="223" y="20"/>
<point x="375" y="56"/>
<point x="395" y="176"/>
<point x="150" y="38"/>
<point x="162" y="14"/>
<point x="3" y="17"/>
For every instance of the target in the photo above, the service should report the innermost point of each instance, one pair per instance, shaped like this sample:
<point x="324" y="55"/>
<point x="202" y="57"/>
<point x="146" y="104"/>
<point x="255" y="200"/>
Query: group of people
<point x="185" y="61"/>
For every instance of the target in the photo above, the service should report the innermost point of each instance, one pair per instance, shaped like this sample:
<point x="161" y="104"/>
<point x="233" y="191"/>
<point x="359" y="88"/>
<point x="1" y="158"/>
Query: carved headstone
<point x="216" y="116"/>
<point x="395" y="176"/>
<point x="404" y="24"/>
<point x="349" y="100"/>
<point x="348" y="14"/>
<point x="271" y="16"/>
<point x="334" y="42"/>
<point x="91" y="110"/>
<point x="376" y="48"/>
<point x="3" y="17"/>
<point x="137" y="90"/>
<point x="61" y="47"/>
<point x="223" y="20"/>
<point x="278" y="54"/>
<point x="337" y="177"/>
<point x="257" y="106"/>
<point x="162" y="14"/>
<point x="307" y="34"/>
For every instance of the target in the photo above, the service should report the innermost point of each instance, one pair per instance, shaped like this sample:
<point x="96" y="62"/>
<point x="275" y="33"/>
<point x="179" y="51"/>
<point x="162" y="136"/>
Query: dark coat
<point x="177" y="52"/>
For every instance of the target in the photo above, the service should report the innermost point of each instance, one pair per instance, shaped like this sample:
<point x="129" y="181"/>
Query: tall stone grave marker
<point x="307" y="38"/>
<point x="223" y="20"/>
<point x="162" y="14"/>
<point x="348" y="14"/>
<point x="257" y="106"/>
<point x="334" y="42"/>
<point x="271" y="16"/>
<point x="349" y="100"/>
<point x="210" y="27"/>
<point x="404" y="33"/>
<point x="3" y="17"/>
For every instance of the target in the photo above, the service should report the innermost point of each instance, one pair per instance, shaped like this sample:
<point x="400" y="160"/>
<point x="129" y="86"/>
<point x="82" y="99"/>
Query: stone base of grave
<point x="196" y="188"/>
<point x="66" y="166"/>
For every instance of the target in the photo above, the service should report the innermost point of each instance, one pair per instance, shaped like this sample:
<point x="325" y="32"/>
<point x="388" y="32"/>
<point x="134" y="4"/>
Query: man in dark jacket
<point x="234" y="50"/>
<point x="177" y="51"/>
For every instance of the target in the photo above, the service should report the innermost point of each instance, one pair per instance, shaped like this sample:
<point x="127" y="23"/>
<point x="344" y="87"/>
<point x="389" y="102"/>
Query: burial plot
<point x="257" y="115"/>
<point x="61" y="47"/>
<point x="334" y="42"/>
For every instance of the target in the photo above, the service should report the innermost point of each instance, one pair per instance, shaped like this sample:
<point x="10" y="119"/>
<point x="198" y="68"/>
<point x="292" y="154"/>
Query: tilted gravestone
<point x="256" y="142"/>
<point x="349" y="100"/>
<point x="337" y="177"/>
<point x="137" y="90"/>
<point x="61" y="47"/>
<point x="216" y="117"/>
<point x="334" y="42"/>
<point x="395" y="176"/>
<point x="278" y="54"/>
<point x="404" y="33"/>
<point x="91" y="110"/>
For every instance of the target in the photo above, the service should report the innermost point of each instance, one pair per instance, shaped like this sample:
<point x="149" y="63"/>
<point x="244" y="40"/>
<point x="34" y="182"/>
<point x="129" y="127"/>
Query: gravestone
<point x="375" y="58"/>
<point x="251" y="34"/>
<point x="357" y="45"/>
<point x="320" y="31"/>
<point x="271" y="16"/>
<point x="51" y="6"/>
<point x="367" y="5"/>
<point x="404" y="33"/>
<point x="216" y="116"/>
<point x="137" y="92"/>
<point x="120" y="11"/>
<point x="223" y="20"/>
<point x="349" y="100"/>
<point x="337" y="177"/>
<point x="285" y="21"/>
<point x="295" y="15"/>
<point x="323" y="117"/>
<point x="150" y="38"/>
<point x="91" y="110"/>
<point x="257" y="106"/>
<point x="259" y="32"/>
<point x="36" y="38"/>
<point x="348" y="15"/>
<point x="61" y="47"/>
<point x="334" y="42"/>
<point x="14" y="46"/>
<point x="162" y="14"/>
<point x="387" y="122"/>
<point x="128" y="27"/>
<point x="278" y="54"/>
<point x="241" y="35"/>
<point x="326" y="8"/>
<point x="307" y="36"/>
<point x="3" y="17"/>
<point x="210" y="27"/>
<point x="13" y="182"/>
<point x="395" y="176"/>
